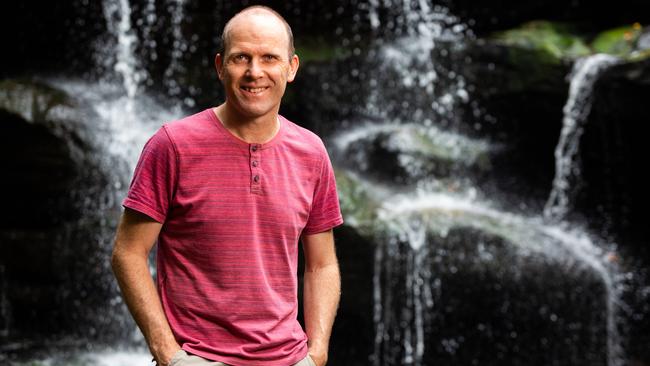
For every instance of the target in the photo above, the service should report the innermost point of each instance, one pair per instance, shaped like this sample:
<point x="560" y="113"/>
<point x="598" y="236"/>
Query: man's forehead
<point x="255" y="18"/>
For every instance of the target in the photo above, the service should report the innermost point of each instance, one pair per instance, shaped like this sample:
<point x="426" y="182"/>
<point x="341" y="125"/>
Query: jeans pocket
<point x="177" y="357"/>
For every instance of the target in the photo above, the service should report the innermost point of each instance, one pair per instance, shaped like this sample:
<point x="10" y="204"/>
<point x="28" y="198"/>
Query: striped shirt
<point x="232" y="215"/>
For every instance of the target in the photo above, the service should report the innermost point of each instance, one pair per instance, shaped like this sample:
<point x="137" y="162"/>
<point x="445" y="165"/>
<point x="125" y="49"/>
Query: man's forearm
<point x="140" y="295"/>
<point x="322" y="292"/>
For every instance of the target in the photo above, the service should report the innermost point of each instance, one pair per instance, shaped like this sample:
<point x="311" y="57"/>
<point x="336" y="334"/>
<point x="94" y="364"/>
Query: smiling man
<point x="228" y="193"/>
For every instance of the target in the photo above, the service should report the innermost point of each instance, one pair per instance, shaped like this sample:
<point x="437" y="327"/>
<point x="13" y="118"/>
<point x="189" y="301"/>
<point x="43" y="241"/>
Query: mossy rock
<point x="618" y="41"/>
<point x="357" y="206"/>
<point x="32" y="100"/>
<point x="551" y="41"/>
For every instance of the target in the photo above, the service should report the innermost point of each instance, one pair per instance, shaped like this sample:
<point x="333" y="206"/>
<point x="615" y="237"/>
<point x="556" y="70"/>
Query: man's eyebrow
<point x="237" y="53"/>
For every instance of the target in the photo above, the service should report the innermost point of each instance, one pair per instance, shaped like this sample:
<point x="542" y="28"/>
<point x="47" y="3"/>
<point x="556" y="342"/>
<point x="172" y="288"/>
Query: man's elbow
<point x="117" y="259"/>
<point x="122" y="256"/>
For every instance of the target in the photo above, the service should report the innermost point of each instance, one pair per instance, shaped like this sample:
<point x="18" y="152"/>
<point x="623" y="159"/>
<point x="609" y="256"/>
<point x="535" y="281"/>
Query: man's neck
<point x="259" y="130"/>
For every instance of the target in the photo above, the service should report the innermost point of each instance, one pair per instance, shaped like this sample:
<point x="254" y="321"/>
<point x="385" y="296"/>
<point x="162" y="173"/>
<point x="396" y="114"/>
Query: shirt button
<point x="256" y="178"/>
<point x="254" y="147"/>
<point x="254" y="162"/>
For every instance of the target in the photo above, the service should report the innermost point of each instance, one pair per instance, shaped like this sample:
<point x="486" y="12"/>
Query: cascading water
<point x="115" y="126"/>
<point x="425" y="96"/>
<point x="584" y="75"/>
<point x="179" y="47"/>
<point x="123" y="60"/>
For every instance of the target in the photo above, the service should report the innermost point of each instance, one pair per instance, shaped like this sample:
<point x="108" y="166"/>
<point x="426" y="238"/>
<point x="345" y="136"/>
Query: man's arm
<point x="322" y="291"/>
<point x="136" y="235"/>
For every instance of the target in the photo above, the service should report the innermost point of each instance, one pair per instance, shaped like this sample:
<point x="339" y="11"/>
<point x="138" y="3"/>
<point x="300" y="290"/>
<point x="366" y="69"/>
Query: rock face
<point x="521" y="81"/>
<point x="448" y="283"/>
<point x="46" y="185"/>
<point x="614" y="151"/>
<point x="614" y="195"/>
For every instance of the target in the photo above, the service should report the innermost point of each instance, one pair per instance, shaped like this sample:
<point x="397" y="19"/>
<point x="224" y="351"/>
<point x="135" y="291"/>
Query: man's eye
<point x="240" y="58"/>
<point x="269" y="58"/>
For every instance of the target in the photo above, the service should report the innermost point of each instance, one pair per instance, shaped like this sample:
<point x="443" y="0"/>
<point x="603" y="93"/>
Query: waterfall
<point x="179" y="46"/>
<point x="576" y="110"/>
<point x="121" y="116"/>
<point x="433" y="87"/>
<point x="415" y="121"/>
<point x="149" y="16"/>
<point x="127" y="66"/>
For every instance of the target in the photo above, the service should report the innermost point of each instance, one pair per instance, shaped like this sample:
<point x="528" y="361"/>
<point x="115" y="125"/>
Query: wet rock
<point x="463" y="278"/>
<point x="485" y="294"/>
<point x="473" y="284"/>
<point x="48" y="173"/>
<point x="403" y="154"/>
<point x="619" y="41"/>
<point x="613" y="194"/>
<point x="520" y="80"/>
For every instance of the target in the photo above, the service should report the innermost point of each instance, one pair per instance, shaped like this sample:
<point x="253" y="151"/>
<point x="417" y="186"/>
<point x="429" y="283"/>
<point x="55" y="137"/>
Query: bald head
<point x="256" y="10"/>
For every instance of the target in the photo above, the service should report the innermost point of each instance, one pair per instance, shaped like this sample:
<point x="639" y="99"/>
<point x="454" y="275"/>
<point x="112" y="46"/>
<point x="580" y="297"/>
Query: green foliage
<point x="358" y="208"/>
<point x="619" y="41"/>
<point x="551" y="41"/>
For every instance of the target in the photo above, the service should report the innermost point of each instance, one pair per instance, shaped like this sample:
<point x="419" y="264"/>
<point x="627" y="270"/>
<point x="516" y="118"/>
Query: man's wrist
<point x="318" y="351"/>
<point x="163" y="354"/>
<point x="318" y="356"/>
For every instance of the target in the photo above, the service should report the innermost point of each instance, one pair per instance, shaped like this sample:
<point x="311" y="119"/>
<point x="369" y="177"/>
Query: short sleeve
<point x="325" y="209"/>
<point x="155" y="177"/>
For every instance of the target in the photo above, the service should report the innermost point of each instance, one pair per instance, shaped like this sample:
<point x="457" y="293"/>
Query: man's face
<point x="256" y="66"/>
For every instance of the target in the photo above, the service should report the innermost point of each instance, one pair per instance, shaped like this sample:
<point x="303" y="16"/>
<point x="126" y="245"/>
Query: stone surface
<point x="46" y="230"/>
<point x="614" y="196"/>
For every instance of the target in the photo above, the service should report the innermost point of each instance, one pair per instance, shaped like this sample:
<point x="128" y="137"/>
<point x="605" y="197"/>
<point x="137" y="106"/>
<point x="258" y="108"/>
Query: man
<point x="228" y="193"/>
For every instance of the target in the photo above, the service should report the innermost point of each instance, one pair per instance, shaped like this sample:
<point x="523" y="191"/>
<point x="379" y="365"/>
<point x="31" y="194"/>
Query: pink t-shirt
<point x="232" y="215"/>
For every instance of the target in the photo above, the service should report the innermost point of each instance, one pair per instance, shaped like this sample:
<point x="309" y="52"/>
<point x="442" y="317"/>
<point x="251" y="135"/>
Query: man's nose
<point x="255" y="70"/>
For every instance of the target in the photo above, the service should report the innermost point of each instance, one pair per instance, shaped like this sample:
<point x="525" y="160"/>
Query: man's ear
<point x="218" y="64"/>
<point x="294" y="63"/>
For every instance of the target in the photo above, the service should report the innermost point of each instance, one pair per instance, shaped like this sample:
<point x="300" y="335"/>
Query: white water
<point x="419" y="27"/>
<point x="148" y="22"/>
<point x="576" y="110"/>
<point x="180" y="46"/>
<point x="119" y="119"/>
<point x="126" y="64"/>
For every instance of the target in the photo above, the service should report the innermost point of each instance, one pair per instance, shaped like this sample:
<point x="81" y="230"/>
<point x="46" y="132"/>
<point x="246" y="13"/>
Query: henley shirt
<point x="232" y="215"/>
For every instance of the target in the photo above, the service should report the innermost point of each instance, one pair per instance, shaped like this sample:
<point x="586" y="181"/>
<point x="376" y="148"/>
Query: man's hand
<point x="164" y="357"/>
<point x="319" y="357"/>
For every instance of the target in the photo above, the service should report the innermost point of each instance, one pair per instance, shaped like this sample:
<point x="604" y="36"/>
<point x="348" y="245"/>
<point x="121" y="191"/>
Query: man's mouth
<point x="252" y="90"/>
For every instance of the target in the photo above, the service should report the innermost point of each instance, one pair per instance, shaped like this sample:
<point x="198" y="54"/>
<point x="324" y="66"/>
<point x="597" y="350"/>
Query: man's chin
<point x="253" y="112"/>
